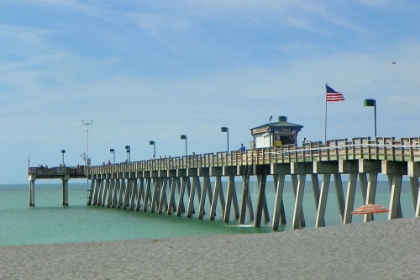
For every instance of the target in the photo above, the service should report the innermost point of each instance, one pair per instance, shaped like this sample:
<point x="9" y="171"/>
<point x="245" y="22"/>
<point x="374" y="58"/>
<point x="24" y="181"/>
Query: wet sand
<point x="375" y="250"/>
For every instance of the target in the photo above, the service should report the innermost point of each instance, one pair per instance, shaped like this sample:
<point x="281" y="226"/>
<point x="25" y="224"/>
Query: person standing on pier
<point x="242" y="148"/>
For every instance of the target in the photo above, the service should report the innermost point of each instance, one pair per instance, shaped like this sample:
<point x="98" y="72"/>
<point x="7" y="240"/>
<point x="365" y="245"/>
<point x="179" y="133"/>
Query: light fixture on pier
<point x="372" y="103"/>
<point x="87" y="159"/>
<point x="154" y="148"/>
<point x="184" y="137"/>
<point x="226" y="129"/>
<point x="127" y="148"/>
<point x="63" y="152"/>
<point x="112" y="151"/>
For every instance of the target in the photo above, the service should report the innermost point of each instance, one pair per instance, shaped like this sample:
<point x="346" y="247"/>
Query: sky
<point x="145" y="71"/>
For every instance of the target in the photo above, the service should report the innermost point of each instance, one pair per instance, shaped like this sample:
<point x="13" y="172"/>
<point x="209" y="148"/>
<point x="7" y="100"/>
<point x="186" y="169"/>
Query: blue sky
<point x="144" y="70"/>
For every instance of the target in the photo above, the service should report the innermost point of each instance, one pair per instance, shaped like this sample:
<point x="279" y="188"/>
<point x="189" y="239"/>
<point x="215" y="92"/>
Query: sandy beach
<point x="375" y="250"/>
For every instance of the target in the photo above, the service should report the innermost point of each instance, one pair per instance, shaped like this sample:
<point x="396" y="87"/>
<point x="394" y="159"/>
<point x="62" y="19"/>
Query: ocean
<point x="49" y="222"/>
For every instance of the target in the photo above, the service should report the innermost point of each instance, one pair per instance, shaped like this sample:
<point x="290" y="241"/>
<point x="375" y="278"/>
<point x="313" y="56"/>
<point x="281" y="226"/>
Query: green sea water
<point x="49" y="222"/>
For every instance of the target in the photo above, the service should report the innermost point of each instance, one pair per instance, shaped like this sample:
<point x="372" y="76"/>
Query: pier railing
<point x="383" y="148"/>
<point x="57" y="172"/>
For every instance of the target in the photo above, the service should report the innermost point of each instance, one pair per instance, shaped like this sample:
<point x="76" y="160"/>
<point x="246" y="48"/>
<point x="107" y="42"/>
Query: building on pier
<point x="276" y="134"/>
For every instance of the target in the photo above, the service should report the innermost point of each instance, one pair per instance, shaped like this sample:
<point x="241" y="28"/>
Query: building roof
<point x="279" y="125"/>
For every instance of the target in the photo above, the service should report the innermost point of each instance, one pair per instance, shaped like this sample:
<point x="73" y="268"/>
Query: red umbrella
<point x="369" y="209"/>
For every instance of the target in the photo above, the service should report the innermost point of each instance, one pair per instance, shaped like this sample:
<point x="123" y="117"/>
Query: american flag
<point x="333" y="95"/>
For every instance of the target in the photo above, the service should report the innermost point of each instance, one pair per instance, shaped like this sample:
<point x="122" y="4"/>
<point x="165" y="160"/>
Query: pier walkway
<point x="173" y="185"/>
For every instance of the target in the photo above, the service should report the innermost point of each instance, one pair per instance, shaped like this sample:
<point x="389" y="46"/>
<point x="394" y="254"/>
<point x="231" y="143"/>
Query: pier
<point x="63" y="173"/>
<point x="173" y="185"/>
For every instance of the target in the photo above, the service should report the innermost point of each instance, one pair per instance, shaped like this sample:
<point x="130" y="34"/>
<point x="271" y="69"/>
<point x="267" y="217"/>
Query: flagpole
<point x="325" y="127"/>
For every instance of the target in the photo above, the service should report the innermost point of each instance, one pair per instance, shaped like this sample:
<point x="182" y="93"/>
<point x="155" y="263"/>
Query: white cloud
<point x="152" y="72"/>
<point x="91" y="8"/>
<point x="154" y="23"/>
<point x="375" y="3"/>
<point x="24" y="35"/>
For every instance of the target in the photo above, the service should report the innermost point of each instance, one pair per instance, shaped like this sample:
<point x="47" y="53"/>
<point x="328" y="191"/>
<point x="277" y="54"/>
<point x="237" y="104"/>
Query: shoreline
<point x="374" y="250"/>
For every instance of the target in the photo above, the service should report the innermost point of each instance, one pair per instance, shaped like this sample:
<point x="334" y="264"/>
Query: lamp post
<point x="226" y="129"/>
<point x="184" y="137"/>
<point x="87" y="159"/>
<point x="154" y="148"/>
<point x="372" y="103"/>
<point x="63" y="152"/>
<point x="127" y="148"/>
<point x="112" y="151"/>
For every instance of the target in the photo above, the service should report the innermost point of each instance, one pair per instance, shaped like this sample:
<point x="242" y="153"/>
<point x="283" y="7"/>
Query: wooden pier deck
<point x="160" y="185"/>
<point x="57" y="172"/>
